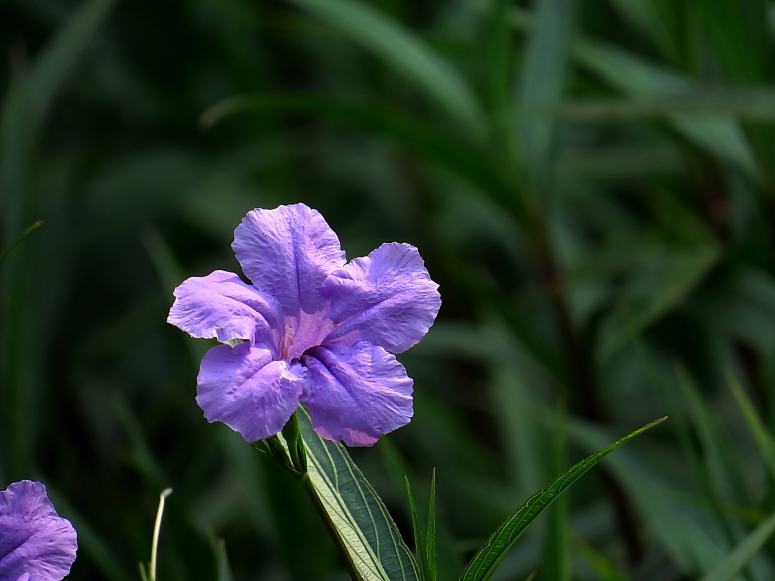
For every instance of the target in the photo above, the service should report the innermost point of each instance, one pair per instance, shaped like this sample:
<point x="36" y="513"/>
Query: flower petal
<point x="356" y="393"/>
<point x="387" y="298"/>
<point x="248" y="391"/>
<point x="35" y="542"/>
<point x="287" y="253"/>
<point x="220" y="305"/>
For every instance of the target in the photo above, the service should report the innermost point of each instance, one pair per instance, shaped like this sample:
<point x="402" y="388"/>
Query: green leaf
<point x="222" y="558"/>
<point x="23" y="114"/>
<point x="639" y="79"/>
<point x="754" y="103"/>
<point x="484" y="563"/>
<point x="354" y="512"/>
<point x="430" y="540"/>
<point x="405" y="52"/>
<point x="419" y="541"/>
<point x="20" y="238"/>
<point x="731" y="566"/>
<point x="737" y="31"/>
<point x="602" y="567"/>
<point x="664" y="280"/>
<point x="541" y="85"/>
<point x="440" y="147"/>
<point x="292" y="437"/>
<point x="658" y="20"/>
<point x="29" y="100"/>
<point x="764" y="440"/>
<point x="555" y="564"/>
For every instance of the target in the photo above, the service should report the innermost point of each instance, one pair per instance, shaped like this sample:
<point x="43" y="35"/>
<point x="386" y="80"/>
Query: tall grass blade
<point x="731" y="566"/>
<point x="542" y="81"/>
<point x="430" y="540"/>
<point x="764" y="440"/>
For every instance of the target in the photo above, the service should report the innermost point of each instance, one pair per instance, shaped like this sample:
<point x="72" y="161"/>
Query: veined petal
<point x="387" y="298"/>
<point x="35" y="542"/>
<point x="287" y="253"/>
<point x="356" y="393"/>
<point x="220" y="305"/>
<point x="247" y="390"/>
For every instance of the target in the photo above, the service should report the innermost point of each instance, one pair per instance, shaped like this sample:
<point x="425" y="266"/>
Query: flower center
<point x="303" y="332"/>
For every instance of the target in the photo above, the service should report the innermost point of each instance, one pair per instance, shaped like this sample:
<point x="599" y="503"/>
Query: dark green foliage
<point x="591" y="183"/>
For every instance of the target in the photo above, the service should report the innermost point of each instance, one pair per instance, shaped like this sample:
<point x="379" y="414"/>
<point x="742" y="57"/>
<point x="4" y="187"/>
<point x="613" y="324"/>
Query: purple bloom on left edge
<point x="36" y="544"/>
<point x="316" y="330"/>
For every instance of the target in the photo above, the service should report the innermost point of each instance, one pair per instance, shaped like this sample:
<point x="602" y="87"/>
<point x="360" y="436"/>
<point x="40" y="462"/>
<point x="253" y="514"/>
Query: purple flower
<point x="36" y="544"/>
<point x="315" y="329"/>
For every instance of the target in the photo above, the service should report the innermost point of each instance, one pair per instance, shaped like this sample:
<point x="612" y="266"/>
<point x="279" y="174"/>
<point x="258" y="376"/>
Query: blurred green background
<point x="591" y="183"/>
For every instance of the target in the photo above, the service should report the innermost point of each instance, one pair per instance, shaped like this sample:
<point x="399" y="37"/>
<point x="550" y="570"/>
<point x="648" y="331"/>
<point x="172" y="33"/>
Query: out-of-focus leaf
<point x="90" y="541"/>
<point x="430" y="537"/>
<point x="222" y="558"/>
<point x="541" y="84"/>
<point x="27" y="231"/>
<point x="733" y="563"/>
<point x="658" y="20"/>
<point x="675" y="275"/>
<point x="640" y="79"/>
<point x="404" y="51"/>
<point x="682" y="531"/>
<point x="764" y="440"/>
<point x="457" y="156"/>
<point x="555" y="562"/>
<point x="23" y="113"/>
<point x="489" y="556"/>
<point x="749" y="103"/>
<point x="737" y="31"/>
<point x="603" y="568"/>
<point x="355" y="513"/>
<point x="30" y="98"/>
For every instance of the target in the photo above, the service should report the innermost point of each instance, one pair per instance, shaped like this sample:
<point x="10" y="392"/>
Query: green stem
<point x="156" y="531"/>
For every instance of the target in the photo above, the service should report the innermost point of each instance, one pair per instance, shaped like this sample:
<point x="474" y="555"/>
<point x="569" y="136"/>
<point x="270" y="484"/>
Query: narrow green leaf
<point x="23" y="114"/>
<point x="222" y="558"/>
<point x="354" y="512"/>
<point x="737" y="31"/>
<point x="437" y="146"/>
<point x="405" y="52"/>
<point x="603" y="568"/>
<point x="555" y="564"/>
<point x="636" y="78"/>
<point x="542" y="81"/>
<point x="731" y="566"/>
<point x="664" y="282"/>
<point x="29" y="99"/>
<point x="419" y="541"/>
<point x="490" y="555"/>
<point x="430" y="541"/>
<point x="754" y="103"/>
<point x="296" y="450"/>
<point x="764" y="440"/>
<point x="658" y="20"/>
<point x="27" y="231"/>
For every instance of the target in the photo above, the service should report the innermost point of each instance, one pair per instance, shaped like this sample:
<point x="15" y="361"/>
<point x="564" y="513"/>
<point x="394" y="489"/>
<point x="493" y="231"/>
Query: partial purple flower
<point x="36" y="544"/>
<point x="311" y="329"/>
